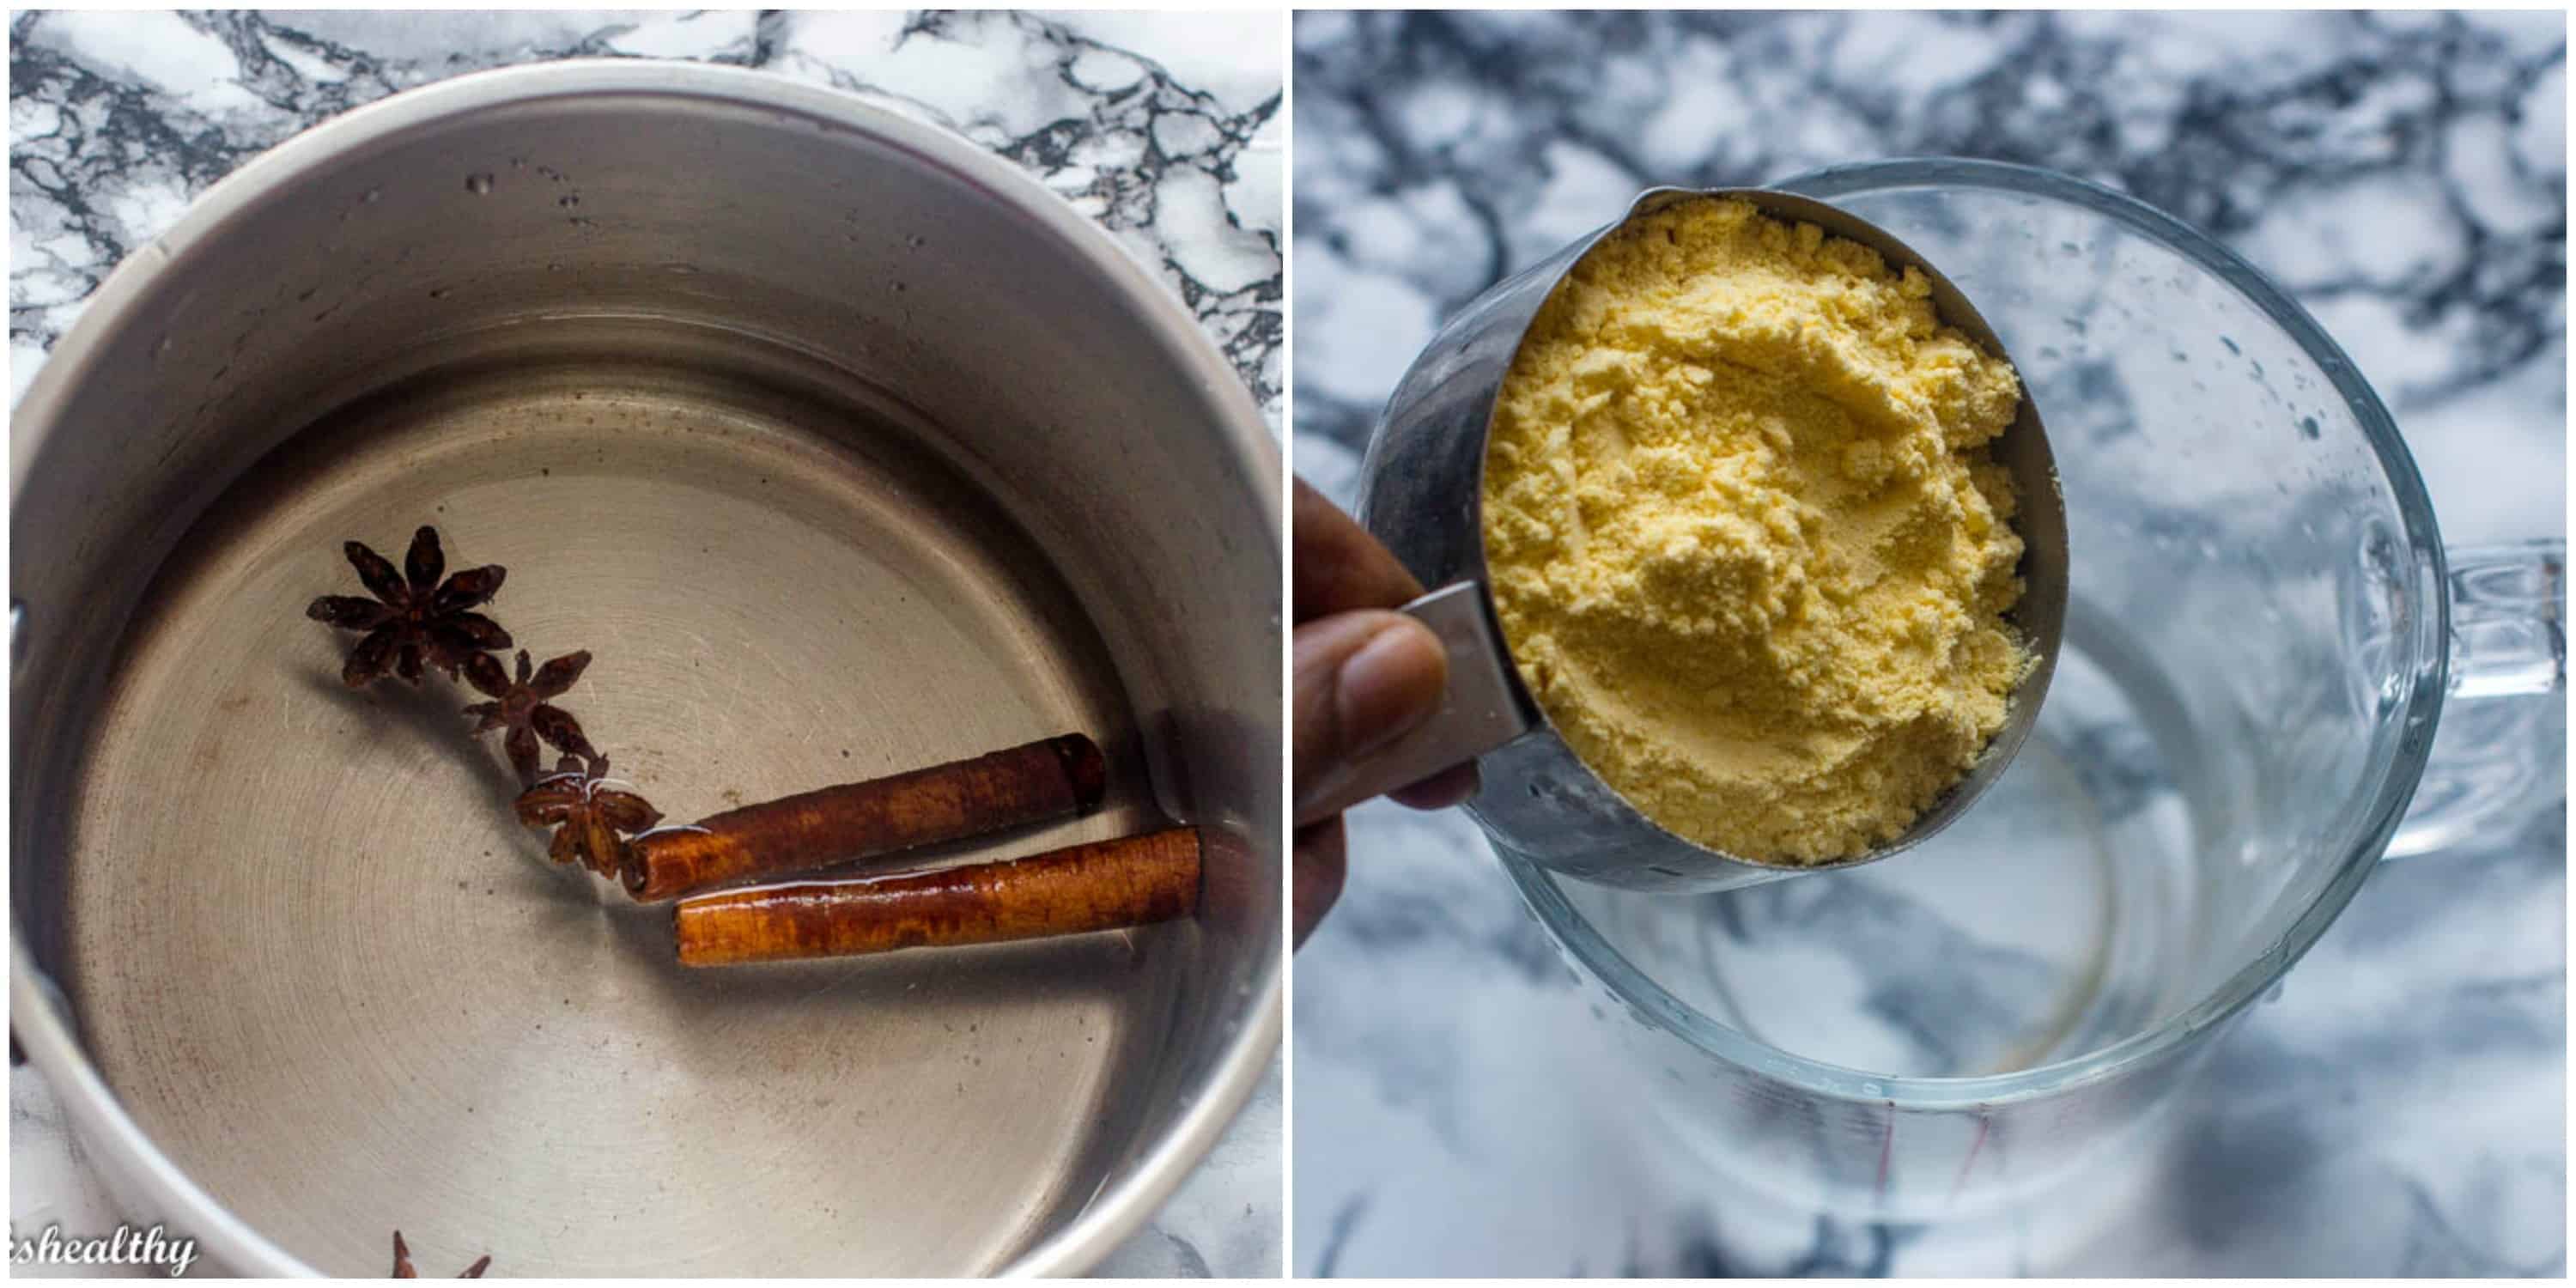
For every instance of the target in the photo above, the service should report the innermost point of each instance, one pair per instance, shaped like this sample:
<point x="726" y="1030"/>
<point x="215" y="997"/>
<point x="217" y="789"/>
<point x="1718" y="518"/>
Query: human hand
<point x="1364" y="676"/>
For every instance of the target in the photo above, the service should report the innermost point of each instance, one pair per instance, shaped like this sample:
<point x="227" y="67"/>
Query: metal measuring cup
<point x="1422" y="494"/>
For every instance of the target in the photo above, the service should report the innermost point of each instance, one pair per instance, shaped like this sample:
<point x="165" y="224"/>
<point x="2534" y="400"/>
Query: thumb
<point x="1363" y="679"/>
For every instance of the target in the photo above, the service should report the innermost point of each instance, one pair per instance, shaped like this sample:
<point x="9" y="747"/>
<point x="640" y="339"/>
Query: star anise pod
<point x="403" y="1267"/>
<point x="588" y="814"/>
<point x="523" y="707"/>
<point x="413" y="617"/>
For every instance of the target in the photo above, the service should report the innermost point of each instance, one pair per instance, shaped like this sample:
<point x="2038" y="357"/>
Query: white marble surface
<point x="2401" y="1108"/>
<point x="1166" y="128"/>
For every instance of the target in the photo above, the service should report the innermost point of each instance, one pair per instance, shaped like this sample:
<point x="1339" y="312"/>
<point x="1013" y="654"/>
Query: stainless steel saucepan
<point x="846" y="448"/>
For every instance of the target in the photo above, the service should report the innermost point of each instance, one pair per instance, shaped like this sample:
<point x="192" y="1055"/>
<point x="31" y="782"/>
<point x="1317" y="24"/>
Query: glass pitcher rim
<point x="2395" y="791"/>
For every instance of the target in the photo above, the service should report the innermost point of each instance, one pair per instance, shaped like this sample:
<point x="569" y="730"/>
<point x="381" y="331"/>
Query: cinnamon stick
<point x="1107" y="885"/>
<point x="1024" y="784"/>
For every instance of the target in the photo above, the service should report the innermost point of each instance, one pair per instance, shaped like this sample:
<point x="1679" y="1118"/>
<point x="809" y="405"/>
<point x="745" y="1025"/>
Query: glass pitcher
<point x="2264" y="629"/>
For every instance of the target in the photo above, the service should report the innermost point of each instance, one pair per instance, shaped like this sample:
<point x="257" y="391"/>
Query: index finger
<point x="1339" y="566"/>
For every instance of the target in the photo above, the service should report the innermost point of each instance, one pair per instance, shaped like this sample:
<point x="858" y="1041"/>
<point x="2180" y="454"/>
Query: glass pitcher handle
<point x="2499" y="756"/>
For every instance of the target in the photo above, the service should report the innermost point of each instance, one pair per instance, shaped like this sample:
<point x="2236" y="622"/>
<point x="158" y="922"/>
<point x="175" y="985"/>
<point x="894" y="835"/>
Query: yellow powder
<point x="1747" y="544"/>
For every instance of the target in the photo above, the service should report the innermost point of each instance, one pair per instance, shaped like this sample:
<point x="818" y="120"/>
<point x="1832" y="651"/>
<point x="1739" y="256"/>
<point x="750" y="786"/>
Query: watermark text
<point x="127" y="1247"/>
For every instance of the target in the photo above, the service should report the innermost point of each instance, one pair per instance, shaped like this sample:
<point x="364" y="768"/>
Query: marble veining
<point x="1166" y="129"/>
<point x="2399" y="1107"/>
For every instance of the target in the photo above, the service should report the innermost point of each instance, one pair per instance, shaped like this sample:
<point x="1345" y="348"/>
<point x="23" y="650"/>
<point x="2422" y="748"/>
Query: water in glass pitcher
<point x="2062" y="914"/>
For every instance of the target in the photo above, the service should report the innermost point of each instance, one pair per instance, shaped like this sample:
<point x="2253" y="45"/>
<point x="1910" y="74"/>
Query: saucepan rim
<point x="41" y="1025"/>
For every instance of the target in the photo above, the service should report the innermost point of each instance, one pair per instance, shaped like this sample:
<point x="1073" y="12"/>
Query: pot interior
<point x="840" y="463"/>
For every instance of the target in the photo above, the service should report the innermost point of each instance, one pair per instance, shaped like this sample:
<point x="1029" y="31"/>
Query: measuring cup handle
<point x="2500" y="753"/>
<point x="1480" y="709"/>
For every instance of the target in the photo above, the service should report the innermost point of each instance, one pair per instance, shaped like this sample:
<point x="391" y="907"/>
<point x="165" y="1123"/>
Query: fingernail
<point x="1390" y="685"/>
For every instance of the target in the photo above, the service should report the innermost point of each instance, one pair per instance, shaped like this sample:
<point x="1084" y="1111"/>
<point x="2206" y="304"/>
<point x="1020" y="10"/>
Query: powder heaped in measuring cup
<point x="1745" y="538"/>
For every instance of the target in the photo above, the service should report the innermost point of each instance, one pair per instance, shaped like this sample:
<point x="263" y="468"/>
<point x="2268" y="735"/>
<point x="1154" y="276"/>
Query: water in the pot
<point x="341" y="985"/>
